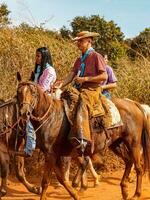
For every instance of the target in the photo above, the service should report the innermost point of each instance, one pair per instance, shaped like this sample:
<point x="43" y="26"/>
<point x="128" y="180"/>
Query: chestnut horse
<point x="11" y="137"/>
<point x="52" y="127"/>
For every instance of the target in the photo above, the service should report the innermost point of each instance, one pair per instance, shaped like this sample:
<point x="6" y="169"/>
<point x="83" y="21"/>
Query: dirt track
<point x="108" y="190"/>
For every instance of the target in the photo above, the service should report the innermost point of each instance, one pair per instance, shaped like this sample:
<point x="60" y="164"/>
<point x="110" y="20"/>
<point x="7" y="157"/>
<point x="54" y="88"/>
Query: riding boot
<point x="80" y="134"/>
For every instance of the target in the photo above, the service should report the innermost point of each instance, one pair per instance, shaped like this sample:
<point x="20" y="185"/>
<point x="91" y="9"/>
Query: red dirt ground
<point x="109" y="189"/>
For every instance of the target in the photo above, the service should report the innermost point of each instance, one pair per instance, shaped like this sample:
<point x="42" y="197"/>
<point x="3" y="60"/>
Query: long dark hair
<point x="46" y="58"/>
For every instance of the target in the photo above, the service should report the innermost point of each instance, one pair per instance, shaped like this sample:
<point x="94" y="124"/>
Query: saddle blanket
<point x="96" y="123"/>
<point x="116" y="118"/>
<point x="146" y="109"/>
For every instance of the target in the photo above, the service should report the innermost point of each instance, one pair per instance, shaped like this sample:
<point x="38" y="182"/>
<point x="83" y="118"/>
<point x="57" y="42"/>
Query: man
<point x="88" y="72"/>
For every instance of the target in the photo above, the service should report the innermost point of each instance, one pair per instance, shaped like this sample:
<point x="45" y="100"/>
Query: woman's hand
<point x="58" y="84"/>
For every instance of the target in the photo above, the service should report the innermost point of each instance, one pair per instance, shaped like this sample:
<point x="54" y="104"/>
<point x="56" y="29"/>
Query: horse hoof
<point x="125" y="196"/>
<point x="96" y="185"/>
<point x="2" y="192"/>
<point x="75" y="185"/>
<point x="81" y="192"/>
<point x="135" y="198"/>
<point x="82" y="189"/>
<point x="58" y="186"/>
<point x="37" y="190"/>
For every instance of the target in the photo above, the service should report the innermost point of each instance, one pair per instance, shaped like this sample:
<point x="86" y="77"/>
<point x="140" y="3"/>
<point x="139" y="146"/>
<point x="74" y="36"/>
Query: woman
<point x="44" y="73"/>
<point x="111" y="82"/>
<point x="45" y="76"/>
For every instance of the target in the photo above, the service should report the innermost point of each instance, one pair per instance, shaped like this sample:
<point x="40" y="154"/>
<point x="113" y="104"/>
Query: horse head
<point x="33" y="100"/>
<point x="27" y="96"/>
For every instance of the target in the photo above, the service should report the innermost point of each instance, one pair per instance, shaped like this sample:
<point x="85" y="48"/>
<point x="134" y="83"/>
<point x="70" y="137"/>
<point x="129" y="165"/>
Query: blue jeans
<point x="107" y="95"/>
<point x="30" y="140"/>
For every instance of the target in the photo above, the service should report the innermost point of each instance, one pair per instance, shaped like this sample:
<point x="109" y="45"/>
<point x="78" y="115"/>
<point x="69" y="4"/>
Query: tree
<point x="65" y="33"/>
<point x="4" y="12"/>
<point x="140" y="45"/>
<point x="111" y="39"/>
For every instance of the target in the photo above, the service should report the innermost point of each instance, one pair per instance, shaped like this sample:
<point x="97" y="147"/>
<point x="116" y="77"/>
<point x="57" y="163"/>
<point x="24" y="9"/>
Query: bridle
<point x="35" y="96"/>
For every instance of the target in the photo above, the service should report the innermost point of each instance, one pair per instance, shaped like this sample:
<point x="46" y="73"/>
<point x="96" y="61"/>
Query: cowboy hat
<point x="85" y="34"/>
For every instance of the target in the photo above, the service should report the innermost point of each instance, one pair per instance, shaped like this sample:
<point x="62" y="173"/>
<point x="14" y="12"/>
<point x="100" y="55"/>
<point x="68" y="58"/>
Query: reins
<point x="36" y="96"/>
<point x="11" y="127"/>
<point x="41" y="125"/>
<point x="41" y="118"/>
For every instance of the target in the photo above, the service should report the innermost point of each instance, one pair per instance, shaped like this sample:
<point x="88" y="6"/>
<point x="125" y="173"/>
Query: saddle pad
<point x="116" y="118"/>
<point x="97" y="123"/>
<point x="146" y="109"/>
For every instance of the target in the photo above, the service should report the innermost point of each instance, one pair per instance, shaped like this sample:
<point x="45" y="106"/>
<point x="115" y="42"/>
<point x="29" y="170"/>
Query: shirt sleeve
<point x="111" y="76"/>
<point x="100" y="63"/>
<point x="47" y="78"/>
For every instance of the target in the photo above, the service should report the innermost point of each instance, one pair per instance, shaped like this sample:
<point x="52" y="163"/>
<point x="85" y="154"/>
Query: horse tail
<point x="145" y="139"/>
<point x="146" y="150"/>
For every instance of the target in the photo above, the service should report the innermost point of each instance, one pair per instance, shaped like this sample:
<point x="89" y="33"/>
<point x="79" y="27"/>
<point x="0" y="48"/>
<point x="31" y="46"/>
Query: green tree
<point x="140" y="45"/>
<point x="111" y="39"/>
<point x="4" y="13"/>
<point x="65" y="33"/>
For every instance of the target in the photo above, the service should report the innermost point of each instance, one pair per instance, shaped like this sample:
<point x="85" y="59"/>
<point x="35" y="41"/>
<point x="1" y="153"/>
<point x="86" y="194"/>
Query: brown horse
<point x="52" y="127"/>
<point x="11" y="140"/>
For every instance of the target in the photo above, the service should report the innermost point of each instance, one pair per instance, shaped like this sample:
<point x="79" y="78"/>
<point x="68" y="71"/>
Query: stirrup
<point x="81" y="144"/>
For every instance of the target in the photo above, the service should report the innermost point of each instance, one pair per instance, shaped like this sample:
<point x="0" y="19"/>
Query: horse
<point x="11" y="137"/>
<point x="121" y="148"/>
<point x="49" y="119"/>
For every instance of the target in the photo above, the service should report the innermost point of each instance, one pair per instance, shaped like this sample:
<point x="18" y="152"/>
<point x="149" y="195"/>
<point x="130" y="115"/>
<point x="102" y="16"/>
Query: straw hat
<point x="85" y="34"/>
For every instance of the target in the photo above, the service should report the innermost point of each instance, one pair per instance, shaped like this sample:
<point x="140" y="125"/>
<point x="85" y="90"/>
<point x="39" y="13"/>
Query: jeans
<point x="107" y="95"/>
<point x="30" y="140"/>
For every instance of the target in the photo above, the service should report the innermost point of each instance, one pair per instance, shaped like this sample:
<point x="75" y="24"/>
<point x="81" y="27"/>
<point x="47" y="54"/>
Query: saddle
<point x="111" y="119"/>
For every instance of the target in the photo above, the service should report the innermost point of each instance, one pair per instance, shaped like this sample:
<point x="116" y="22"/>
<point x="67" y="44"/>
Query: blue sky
<point x="132" y="16"/>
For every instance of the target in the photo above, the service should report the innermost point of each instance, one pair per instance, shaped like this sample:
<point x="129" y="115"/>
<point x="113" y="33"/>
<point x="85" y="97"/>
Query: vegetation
<point x="18" y="45"/>
<point x="109" y="42"/>
<point x="4" y="13"/>
<point x="140" y="45"/>
<point x="17" y="53"/>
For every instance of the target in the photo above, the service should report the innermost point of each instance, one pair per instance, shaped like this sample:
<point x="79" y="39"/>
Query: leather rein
<point x="36" y="99"/>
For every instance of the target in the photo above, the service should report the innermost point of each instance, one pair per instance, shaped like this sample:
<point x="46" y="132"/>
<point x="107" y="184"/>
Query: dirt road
<point x="108" y="190"/>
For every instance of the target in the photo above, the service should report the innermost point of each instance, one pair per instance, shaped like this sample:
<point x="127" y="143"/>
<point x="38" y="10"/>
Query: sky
<point x="132" y="16"/>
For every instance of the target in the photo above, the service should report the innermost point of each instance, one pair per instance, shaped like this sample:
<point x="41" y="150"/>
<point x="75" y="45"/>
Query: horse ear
<point x="32" y="76"/>
<point x="19" y="77"/>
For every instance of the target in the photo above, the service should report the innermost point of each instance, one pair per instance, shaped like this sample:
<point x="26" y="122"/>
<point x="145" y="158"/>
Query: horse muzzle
<point x="25" y="111"/>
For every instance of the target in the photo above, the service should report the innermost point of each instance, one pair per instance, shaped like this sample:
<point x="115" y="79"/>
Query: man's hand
<point x="79" y="80"/>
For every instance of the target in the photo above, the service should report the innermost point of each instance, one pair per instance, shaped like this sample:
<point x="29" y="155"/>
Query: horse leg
<point x="4" y="175"/>
<point x="48" y="165"/>
<point x="20" y="173"/>
<point x="94" y="174"/>
<point x="139" y="172"/>
<point x="3" y="187"/>
<point x="84" y="182"/>
<point x="81" y="173"/>
<point x="66" y="163"/>
<point x="121" y="150"/>
<point x="125" y="179"/>
<point x="60" y="176"/>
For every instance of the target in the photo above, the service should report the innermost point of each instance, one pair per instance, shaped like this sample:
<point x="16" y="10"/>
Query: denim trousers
<point x="30" y="139"/>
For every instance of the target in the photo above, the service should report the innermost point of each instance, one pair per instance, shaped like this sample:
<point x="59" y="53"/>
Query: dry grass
<point x="134" y="80"/>
<point x="17" y="53"/>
